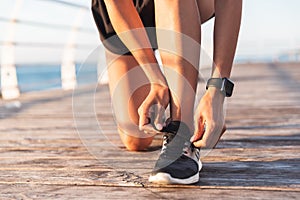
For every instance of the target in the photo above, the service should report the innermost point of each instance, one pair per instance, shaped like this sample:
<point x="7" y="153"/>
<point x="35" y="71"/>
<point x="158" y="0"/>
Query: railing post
<point x="9" y="81"/>
<point x="68" y="67"/>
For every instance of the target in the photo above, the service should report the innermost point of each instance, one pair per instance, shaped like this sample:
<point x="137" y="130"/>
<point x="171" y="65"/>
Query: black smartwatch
<point x="224" y="84"/>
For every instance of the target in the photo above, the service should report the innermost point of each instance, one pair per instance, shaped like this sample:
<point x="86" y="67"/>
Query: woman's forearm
<point x="130" y="29"/>
<point x="226" y="31"/>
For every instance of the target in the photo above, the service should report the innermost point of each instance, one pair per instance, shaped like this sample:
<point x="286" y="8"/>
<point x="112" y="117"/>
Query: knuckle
<point x="141" y="110"/>
<point x="197" y="144"/>
<point x="213" y="126"/>
<point x="204" y="144"/>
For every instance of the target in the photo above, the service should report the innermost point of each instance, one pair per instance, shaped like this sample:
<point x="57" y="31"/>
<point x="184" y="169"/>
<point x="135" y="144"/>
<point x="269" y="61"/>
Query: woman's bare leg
<point x="182" y="61"/>
<point x="128" y="90"/>
<point x="206" y="9"/>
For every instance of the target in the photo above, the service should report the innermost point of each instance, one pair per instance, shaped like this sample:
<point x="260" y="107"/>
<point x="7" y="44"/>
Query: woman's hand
<point x="209" y="119"/>
<point x="152" y="110"/>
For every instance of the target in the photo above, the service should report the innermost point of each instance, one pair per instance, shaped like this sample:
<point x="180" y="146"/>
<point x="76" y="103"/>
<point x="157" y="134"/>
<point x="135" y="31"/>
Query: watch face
<point x="228" y="87"/>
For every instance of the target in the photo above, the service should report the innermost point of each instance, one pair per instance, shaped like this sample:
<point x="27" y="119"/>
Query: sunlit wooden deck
<point x="43" y="152"/>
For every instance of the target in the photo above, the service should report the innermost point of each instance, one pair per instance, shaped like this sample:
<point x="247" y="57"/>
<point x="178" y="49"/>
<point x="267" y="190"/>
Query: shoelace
<point x="176" y="140"/>
<point x="166" y="140"/>
<point x="174" y="147"/>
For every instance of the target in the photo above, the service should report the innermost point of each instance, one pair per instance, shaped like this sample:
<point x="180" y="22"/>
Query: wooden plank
<point x="27" y="191"/>
<point x="42" y="155"/>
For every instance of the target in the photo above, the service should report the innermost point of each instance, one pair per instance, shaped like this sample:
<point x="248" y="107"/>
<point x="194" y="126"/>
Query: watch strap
<point x="224" y="84"/>
<point x="214" y="82"/>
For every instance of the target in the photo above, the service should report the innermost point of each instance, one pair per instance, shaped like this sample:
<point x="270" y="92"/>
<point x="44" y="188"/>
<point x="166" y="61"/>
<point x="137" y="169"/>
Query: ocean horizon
<point x="39" y="77"/>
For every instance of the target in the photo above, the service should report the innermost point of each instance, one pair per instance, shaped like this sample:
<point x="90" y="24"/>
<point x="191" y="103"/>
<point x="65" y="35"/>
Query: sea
<point x="38" y="77"/>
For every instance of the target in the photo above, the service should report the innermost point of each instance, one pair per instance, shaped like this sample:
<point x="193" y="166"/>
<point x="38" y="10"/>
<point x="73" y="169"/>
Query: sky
<point x="269" y="28"/>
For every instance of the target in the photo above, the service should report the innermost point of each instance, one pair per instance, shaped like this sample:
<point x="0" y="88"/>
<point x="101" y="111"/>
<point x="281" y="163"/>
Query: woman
<point x="141" y="92"/>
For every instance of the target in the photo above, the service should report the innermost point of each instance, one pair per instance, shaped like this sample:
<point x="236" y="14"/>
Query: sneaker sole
<point x="164" y="178"/>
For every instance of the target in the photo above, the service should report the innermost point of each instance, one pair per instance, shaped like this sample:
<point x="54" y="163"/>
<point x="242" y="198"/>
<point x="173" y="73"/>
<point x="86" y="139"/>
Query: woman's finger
<point x="149" y="129"/>
<point x="159" y="119"/>
<point x="144" y="117"/>
<point x="210" y="137"/>
<point x="199" y="129"/>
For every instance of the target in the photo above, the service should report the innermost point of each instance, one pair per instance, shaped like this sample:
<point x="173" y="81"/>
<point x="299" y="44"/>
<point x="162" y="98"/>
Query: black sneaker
<point x="178" y="162"/>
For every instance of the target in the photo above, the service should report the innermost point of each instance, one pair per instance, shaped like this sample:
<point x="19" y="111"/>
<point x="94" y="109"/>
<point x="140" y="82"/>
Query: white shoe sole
<point x="164" y="178"/>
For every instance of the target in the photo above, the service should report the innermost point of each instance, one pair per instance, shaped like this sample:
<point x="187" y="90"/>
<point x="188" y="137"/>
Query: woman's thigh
<point x="129" y="87"/>
<point x="128" y="84"/>
<point x="206" y="9"/>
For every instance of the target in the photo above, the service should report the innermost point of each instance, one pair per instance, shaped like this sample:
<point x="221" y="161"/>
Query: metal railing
<point x="9" y="81"/>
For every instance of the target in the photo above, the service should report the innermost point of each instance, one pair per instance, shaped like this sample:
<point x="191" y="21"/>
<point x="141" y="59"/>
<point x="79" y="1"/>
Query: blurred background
<point x="37" y="35"/>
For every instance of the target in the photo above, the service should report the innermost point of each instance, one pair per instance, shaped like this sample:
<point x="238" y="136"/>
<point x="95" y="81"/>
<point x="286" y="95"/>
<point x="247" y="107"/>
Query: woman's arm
<point x="209" y="119"/>
<point x="129" y="27"/>
<point x="226" y="31"/>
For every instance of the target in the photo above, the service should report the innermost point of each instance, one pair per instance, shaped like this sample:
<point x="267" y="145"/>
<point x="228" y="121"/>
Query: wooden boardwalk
<point x="51" y="150"/>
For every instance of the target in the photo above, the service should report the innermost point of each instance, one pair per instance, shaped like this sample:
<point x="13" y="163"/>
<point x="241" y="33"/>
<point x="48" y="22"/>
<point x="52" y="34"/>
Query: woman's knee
<point x="135" y="140"/>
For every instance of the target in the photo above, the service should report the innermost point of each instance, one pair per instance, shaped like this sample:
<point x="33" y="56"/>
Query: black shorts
<point x="108" y="35"/>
